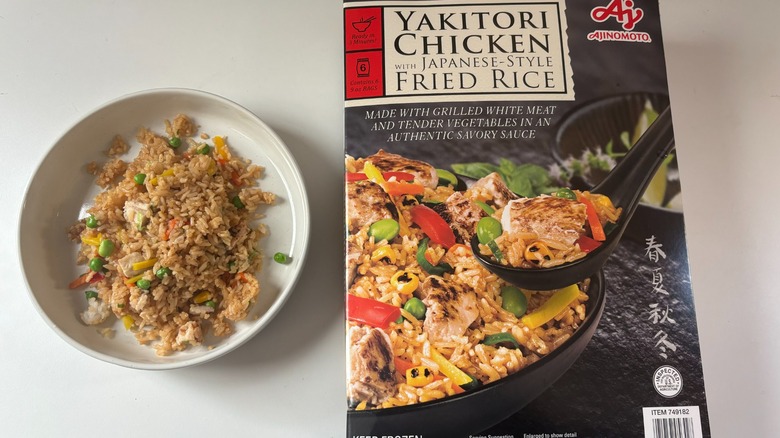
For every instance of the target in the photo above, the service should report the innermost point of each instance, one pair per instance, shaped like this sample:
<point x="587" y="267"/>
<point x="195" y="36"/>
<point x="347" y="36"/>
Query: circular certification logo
<point x="667" y="381"/>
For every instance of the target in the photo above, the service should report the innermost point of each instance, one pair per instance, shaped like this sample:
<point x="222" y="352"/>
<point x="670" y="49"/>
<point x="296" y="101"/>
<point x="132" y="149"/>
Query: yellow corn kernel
<point x="202" y="297"/>
<point x="146" y="264"/>
<point x="221" y="147"/>
<point x="128" y="321"/>
<point x="405" y="282"/>
<point x="361" y="406"/>
<point x="94" y="241"/>
<point x="537" y="252"/>
<point x="419" y="376"/>
<point x="212" y="169"/>
<point x="384" y="251"/>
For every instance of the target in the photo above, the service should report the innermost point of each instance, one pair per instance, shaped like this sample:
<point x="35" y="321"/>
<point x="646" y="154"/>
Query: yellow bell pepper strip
<point x="134" y="280"/>
<point x="167" y="172"/>
<point x="202" y="297"/>
<point x="450" y="370"/>
<point x="92" y="241"/>
<point x="537" y="252"/>
<point x="375" y="175"/>
<point x="552" y="307"/>
<point x="221" y="147"/>
<point x="128" y="321"/>
<point x="593" y="219"/>
<point x="372" y="312"/>
<point x="146" y="264"/>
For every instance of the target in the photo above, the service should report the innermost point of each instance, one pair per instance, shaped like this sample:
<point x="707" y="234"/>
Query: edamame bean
<point x="385" y="229"/>
<point x="513" y="301"/>
<point x="488" y="228"/>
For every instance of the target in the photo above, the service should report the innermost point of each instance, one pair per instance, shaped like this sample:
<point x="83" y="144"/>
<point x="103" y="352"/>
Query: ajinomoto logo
<point x="625" y="13"/>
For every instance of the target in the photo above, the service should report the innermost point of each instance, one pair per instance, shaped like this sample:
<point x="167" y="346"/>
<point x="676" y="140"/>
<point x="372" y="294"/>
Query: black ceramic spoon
<point x="624" y="185"/>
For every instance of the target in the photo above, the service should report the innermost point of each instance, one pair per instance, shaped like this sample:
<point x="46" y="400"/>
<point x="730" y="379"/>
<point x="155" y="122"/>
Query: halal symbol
<point x="623" y="11"/>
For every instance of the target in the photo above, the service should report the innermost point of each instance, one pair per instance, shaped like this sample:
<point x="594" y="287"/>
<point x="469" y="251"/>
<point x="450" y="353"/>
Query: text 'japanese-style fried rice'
<point x="171" y="242"/>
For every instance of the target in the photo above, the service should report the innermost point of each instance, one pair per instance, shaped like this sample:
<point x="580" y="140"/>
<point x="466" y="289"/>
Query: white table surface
<point x="283" y="61"/>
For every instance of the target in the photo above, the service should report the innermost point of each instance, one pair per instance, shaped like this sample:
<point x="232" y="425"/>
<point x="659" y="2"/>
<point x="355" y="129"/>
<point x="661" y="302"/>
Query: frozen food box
<point x="515" y="256"/>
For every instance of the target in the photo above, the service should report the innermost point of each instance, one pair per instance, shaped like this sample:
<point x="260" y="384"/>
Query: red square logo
<point x="364" y="74"/>
<point x="362" y="29"/>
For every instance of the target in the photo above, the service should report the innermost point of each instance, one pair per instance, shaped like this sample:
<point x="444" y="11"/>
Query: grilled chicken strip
<point x="424" y="173"/>
<point x="372" y="370"/>
<point x="366" y="204"/>
<point x="492" y="190"/>
<point x="549" y="217"/>
<point x="450" y="308"/>
<point x="462" y="214"/>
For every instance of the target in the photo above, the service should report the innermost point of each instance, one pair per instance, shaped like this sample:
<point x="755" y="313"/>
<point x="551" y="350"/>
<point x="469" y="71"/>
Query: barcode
<point x="672" y="422"/>
<point x="673" y="428"/>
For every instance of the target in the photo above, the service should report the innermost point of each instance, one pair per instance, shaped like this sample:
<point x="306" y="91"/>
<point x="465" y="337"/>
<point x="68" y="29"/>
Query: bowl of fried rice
<point x="164" y="229"/>
<point x="437" y="343"/>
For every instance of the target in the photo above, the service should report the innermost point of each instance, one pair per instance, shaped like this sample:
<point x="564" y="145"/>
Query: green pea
<point x="174" y="142"/>
<point x="237" y="202"/>
<point x="162" y="272"/>
<point x="513" y="301"/>
<point x="96" y="264"/>
<point x="143" y="284"/>
<point x="280" y="257"/>
<point x="204" y="150"/>
<point x="488" y="228"/>
<point x="211" y="303"/>
<point x="106" y="248"/>
<point x="90" y="294"/>
<point x="566" y="193"/>
<point x="91" y="221"/>
<point x="139" y="178"/>
<point x="385" y="229"/>
<point x="416" y="307"/>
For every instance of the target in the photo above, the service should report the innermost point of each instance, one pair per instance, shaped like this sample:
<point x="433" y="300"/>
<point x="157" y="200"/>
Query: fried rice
<point x="182" y="231"/>
<point x="372" y="265"/>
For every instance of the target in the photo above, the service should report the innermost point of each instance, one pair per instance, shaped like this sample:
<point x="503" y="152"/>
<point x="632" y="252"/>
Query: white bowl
<point x="61" y="189"/>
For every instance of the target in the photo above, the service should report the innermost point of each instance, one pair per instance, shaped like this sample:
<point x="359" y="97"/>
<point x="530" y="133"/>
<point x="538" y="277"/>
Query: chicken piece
<point x="137" y="213"/>
<point x="450" y="308"/>
<point x="125" y="264"/>
<point x="366" y="204"/>
<point x="353" y="255"/>
<point x="462" y="214"/>
<point x="189" y="334"/>
<point x="424" y="173"/>
<point x="372" y="370"/>
<point x="549" y="217"/>
<point x="491" y="189"/>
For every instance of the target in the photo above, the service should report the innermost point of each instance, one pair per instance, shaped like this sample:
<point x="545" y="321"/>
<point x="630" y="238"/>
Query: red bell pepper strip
<point x="587" y="244"/>
<point x="593" y="219"/>
<point x="433" y="225"/>
<point x="400" y="176"/>
<point x="88" y="278"/>
<point x="398" y="188"/>
<point x="372" y="312"/>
